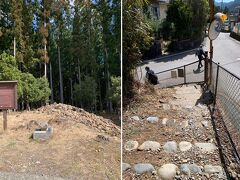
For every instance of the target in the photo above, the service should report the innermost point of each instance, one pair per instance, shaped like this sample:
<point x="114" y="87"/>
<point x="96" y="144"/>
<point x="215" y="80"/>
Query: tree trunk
<point x="60" y="76"/>
<point x="108" y="86"/>
<point x="79" y="78"/>
<point x="14" y="47"/>
<point x="71" y="91"/>
<point x="51" y="83"/>
<point x="45" y="50"/>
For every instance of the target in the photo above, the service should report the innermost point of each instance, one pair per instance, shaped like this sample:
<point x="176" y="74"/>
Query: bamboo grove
<point x="62" y="51"/>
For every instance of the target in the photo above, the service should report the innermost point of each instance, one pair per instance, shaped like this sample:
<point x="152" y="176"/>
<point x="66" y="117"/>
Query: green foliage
<point x="136" y="39"/>
<point x="30" y="89"/>
<point x="116" y="91"/>
<point x="185" y="19"/>
<point x="86" y="93"/>
<point x="34" y="89"/>
<point x="9" y="70"/>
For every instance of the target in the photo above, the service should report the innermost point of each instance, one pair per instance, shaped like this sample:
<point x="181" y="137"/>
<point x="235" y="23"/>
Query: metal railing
<point x="226" y="88"/>
<point x="185" y="74"/>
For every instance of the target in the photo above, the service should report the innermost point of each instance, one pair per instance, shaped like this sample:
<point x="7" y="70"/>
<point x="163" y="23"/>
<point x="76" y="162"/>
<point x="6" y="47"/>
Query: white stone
<point x="170" y="146"/>
<point x="167" y="171"/>
<point x="164" y="121"/>
<point x="136" y="118"/>
<point x="185" y="146"/>
<point x="213" y="169"/>
<point x="150" y="145"/>
<point x="206" y="147"/>
<point x="131" y="145"/>
<point x="152" y="119"/>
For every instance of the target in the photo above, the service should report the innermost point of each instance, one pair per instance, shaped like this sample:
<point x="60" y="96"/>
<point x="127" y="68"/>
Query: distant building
<point x="158" y="9"/>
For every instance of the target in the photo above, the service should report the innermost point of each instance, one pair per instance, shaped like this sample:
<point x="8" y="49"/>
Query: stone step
<point x="170" y="171"/>
<point x="170" y="146"/>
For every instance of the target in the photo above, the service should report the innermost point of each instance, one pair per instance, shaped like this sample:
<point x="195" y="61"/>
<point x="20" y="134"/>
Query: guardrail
<point x="226" y="88"/>
<point x="185" y="74"/>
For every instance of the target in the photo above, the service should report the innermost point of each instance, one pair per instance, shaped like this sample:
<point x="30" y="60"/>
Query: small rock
<point x="143" y="168"/>
<point x="213" y="169"/>
<point x="206" y="147"/>
<point x="167" y="171"/>
<point x="170" y="146"/>
<point x="135" y="118"/>
<point x="125" y="166"/>
<point x="152" y="119"/>
<point x="131" y="145"/>
<point x="164" y="121"/>
<point x="185" y="146"/>
<point x="166" y="106"/>
<point x="194" y="168"/>
<point x="205" y="124"/>
<point x="185" y="170"/>
<point x="150" y="145"/>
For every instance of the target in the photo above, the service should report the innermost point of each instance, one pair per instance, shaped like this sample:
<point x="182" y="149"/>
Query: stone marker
<point x="43" y="135"/>
<point x="167" y="171"/>
<point x="143" y="168"/>
<point x="150" y="145"/>
<point x="131" y="145"/>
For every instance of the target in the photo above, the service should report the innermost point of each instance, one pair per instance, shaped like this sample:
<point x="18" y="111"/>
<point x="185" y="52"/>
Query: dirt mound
<point x="63" y="114"/>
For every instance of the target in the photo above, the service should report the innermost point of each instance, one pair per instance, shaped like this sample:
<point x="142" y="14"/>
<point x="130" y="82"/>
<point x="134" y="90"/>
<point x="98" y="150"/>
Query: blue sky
<point x="223" y="0"/>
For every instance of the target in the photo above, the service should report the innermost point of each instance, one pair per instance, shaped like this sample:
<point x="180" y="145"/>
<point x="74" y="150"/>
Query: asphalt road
<point x="226" y="51"/>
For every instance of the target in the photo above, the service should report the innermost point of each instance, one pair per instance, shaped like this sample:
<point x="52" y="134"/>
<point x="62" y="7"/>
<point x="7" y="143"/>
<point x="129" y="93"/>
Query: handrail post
<point x="184" y="69"/>
<point x="216" y="86"/>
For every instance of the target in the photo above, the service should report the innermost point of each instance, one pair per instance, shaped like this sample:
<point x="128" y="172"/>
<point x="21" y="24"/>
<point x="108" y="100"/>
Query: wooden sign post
<point x="8" y="98"/>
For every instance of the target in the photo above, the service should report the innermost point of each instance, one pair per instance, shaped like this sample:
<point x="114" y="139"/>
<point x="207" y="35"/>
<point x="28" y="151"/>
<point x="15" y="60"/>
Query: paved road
<point x="226" y="52"/>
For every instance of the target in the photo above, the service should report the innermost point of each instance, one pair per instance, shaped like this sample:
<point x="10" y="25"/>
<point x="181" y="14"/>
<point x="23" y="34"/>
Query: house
<point x="158" y="9"/>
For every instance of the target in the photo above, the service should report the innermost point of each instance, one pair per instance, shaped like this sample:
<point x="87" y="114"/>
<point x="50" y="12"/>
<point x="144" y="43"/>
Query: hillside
<point x="230" y="5"/>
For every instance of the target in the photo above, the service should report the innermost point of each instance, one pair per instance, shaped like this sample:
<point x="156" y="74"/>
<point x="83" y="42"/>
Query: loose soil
<point x="83" y="146"/>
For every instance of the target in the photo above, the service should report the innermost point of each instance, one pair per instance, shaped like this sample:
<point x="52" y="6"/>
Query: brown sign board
<point x="8" y="94"/>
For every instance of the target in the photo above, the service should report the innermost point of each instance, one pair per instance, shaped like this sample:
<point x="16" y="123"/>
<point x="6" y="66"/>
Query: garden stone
<point x="206" y="147"/>
<point x="213" y="169"/>
<point x="150" y="145"/>
<point x="152" y="119"/>
<point x="167" y="171"/>
<point x="143" y="168"/>
<point x="131" y="145"/>
<point x="170" y="146"/>
<point x="194" y="168"/>
<point x="185" y="170"/>
<point x="185" y="146"/>
<point x="135" y="118"/>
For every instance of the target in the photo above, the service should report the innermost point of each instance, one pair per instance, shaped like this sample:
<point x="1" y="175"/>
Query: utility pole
<point x="211" y="4"/>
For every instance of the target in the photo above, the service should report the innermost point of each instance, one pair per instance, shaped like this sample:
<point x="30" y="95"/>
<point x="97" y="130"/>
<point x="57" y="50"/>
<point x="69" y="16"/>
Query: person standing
<point x="200" y="53"/>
